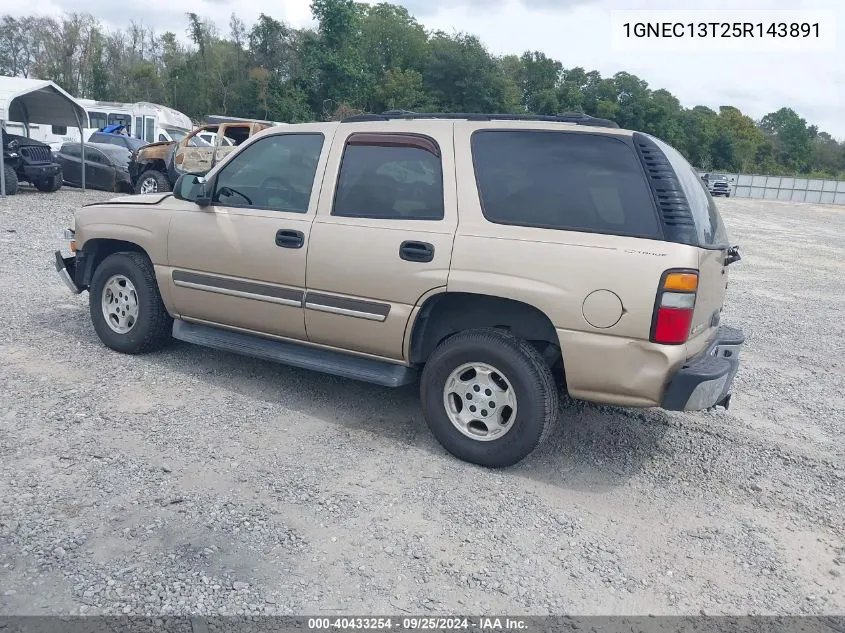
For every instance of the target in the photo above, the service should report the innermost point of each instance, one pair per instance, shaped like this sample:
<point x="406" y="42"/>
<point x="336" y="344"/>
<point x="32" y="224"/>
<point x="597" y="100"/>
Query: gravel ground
<point x="193" y="481"/>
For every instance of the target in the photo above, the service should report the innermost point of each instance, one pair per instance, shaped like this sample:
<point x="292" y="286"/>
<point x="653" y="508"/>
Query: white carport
<point x="39" y="101"/>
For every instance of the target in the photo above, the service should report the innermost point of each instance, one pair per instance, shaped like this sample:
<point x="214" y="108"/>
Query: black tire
<point x="49" y="183"/>
<point x="529" y="376"/>
<point x="161" y="181"/>
<point x="153" y="327"/>
<point x="11" y="180"/>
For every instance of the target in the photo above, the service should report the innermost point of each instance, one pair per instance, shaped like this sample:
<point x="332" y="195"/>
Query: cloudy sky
<point x="577" y="32"/>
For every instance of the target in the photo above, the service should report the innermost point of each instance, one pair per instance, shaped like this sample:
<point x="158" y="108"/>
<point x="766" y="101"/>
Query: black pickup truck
<point x="27" y="160"/>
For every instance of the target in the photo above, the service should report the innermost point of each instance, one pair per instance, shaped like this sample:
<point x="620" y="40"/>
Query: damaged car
<point x="155" y="167"/>
<point x="106" y="166"/>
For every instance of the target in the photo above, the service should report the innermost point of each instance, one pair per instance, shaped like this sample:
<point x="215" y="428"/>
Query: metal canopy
<point x="39" y="101"/>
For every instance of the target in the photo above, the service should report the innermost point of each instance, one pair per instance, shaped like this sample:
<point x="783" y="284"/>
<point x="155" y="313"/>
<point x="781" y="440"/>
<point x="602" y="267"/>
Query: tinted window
<point x="708" y="222"/>
<point x="390" y="181"/>
<point x="59" y="130"/>
<point x="563" y="180"/>
<point x="94" y="156"/>
<point x="71" y="149"/>
<point x="276" y="172"/>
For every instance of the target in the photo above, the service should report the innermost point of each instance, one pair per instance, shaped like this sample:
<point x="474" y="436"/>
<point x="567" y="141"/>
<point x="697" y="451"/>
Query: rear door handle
<point x="287" y="238"/>
<point x="416" y="251"/>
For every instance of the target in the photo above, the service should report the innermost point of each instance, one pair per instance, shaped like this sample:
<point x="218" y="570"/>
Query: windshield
<point x="176" y="135"/>
<point x="718" y="177"/>
<point x="196" y="141"/>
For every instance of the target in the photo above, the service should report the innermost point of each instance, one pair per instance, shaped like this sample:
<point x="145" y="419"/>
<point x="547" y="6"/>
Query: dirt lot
<point x="197" y="481"/>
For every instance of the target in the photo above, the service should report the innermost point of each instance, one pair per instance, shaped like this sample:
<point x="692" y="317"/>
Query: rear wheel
<point x="126" y="307"/>
<point x="11" y="180"/>
<point x="488" y="397"/>
<point x="152" y="181"/>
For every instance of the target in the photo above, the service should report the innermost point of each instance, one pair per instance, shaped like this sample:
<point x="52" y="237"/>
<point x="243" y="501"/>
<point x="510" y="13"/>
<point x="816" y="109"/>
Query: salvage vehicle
<point x="106" y="166"/>
<point x="28" y="160"/>
<point x="497" y="259"/>
<point x="156" y="167"/>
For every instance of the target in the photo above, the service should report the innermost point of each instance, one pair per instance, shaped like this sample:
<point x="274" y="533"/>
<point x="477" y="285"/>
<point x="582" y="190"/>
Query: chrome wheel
<point x="120" y="304"/>
<point x="149" y="185"/>
<point x="480" y="401"/>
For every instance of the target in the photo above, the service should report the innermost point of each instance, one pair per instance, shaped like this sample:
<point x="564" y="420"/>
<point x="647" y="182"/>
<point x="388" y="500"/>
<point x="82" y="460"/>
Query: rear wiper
<point x="732" y="255"/>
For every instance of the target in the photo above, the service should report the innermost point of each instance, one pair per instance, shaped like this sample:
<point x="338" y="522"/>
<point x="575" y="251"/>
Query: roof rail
<point x="566" y="117"/>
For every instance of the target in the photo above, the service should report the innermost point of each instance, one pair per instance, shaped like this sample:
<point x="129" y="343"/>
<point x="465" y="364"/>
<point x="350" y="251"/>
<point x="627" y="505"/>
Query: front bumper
<point x="705" y="381"/>
<point x="40" y="171"/>
<point x="66" y="267"/>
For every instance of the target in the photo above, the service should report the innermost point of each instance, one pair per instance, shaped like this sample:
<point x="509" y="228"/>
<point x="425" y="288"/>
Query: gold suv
<point x="497" y="258"/>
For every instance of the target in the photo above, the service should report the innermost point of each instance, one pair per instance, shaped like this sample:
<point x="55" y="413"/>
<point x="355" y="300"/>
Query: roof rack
<point x="566" y="117"/>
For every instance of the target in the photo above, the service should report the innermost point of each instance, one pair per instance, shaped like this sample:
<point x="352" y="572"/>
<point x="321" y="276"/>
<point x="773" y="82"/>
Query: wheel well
<point x="446" y="314"/>
<point x="156" y="164"/>
<point x="96" y="250"/>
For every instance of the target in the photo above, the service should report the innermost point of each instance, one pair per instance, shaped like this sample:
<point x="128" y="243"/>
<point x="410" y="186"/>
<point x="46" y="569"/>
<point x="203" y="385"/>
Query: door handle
<point x="287" y="238"/>
<point x="416" y="251"/>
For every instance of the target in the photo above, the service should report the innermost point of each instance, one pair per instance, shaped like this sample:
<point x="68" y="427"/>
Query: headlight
<point x="13" y="154"/>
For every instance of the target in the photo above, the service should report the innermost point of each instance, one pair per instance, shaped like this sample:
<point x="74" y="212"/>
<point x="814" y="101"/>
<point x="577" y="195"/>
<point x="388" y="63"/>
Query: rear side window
<point x="390" y="177"/>
<point x="563" y="180"/>
<point x="708" y="223"/>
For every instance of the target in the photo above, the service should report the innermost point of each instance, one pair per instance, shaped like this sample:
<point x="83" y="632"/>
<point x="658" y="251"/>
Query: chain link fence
<point x="786" y="188"/>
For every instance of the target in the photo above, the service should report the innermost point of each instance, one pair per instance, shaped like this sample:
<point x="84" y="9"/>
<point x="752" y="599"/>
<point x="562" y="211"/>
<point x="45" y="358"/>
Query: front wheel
<point x="126" y="307"/>
<point x="488" y="397"/>
<point x="152" y="181"/>
<point x="11" y="178"/>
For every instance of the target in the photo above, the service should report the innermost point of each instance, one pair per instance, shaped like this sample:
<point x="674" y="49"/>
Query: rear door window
<point x="390" y="177"/>
<point x="563" y="180"/>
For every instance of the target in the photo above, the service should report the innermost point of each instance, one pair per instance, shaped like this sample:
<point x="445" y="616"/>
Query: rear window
<point x="708" y="223"/>
<point x="563" y="180"/>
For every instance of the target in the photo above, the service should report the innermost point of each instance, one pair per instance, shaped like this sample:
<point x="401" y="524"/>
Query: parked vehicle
<point x="28" y="160"/>
<point x="717" y="184"/>
<point x="112" y="135"/>
<point x="106" y="166"/>
<point x="156" y="167"/>
<point x="497" y="261"/>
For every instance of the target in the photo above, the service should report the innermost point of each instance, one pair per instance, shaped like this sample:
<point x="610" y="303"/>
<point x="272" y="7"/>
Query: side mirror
<point x="193" y="188"/>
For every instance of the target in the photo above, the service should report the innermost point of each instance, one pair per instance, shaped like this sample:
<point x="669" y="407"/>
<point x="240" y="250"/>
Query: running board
<point x="296" y="355"/>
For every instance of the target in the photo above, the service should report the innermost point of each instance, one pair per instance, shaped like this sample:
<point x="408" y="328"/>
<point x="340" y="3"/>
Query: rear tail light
<point x="674" y="307"/>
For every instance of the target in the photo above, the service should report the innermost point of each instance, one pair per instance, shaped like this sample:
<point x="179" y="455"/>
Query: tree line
<point x="371" y="58"/>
